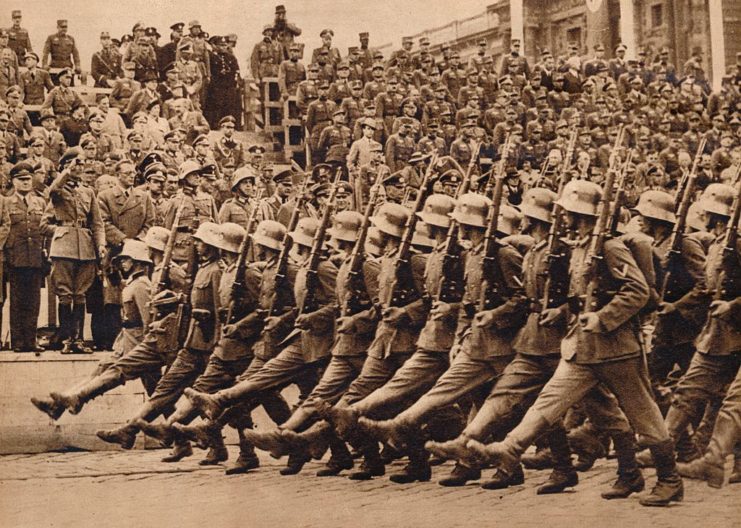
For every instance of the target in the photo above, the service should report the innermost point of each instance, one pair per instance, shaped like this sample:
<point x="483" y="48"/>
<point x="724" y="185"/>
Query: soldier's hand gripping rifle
<point x="357" y="257"/>
<point x="401" y="297"/>
<point x="446" y="289"/>
<point x="491" y="278"/>
<point x="675" y="243"/>
<point x="309" y="303"/>
<point x="238" y="287"/>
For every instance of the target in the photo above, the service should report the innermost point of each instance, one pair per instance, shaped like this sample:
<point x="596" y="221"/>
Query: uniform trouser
<point x="464" y="376"/>
<point x="725" y="436"/>
<point x="627" y="379"/>
<point x="141" y="361"/>
<point x="187" y="367"/>
<point x="284" y="369"/>
<point x="663" y="359"/>
<point x="337" y="377"/>
<point x="70" y="279"/>
<point x="219" y="374"/>
<point x="705" y="380"/>
<point x="415" y="377"/>
<point x="375" y="373"/>
<point x="25" y="301"/>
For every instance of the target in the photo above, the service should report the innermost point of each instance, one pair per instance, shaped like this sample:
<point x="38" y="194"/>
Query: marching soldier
<point x="73" y="220"/>
<point x="203" y="333"/>
<point x="600" y="346"/>
<point x="306" y="348"/>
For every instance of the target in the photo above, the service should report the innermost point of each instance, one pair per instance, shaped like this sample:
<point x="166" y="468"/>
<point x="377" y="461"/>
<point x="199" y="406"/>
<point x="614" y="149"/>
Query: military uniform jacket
<point x="34" y="85"/>
<point x="73" y="216"/>
<point x="721" y="336"/>
<point x="125" y="216"/>
<point x="317" y="340"/>
<point x="122" y="91"/>
<point x="278" y="295"/>
<point x="401" y="339"/>
<point x="686" y="290"/>
<point x="197" y="208"/>
<point x="203" y="335"/>
<point x="306" y="92"/>
<point x="24" y="245"/>
<point x="438" y="335"/>
<point x="265" y="59"/>
<point x="622" y="292"/>
<point x="335" y="140"/>
<point x="19" y="41"/>
<point x="54" y="145"/>
<point x="240" y="345"/>
<point x="534" y="339"/>
<point x="61" y="100"/>
<point x="495" y="340"/>
<point x="135" y="298"/>
<point x="364" y="321"/>
<point x="60" y="47"/>
<point x="236" y="210"/>
<point x="399" y="150"/>
<point x="289" y="75"/>
<point x="228" y="149"/>
<point x="105" y="66"/>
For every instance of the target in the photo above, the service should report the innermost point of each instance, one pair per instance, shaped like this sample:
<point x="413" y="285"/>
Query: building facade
<point x="683" y="26"/>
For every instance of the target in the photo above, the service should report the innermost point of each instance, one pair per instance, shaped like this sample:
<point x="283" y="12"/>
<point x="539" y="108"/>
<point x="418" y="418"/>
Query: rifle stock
<point x="675" y="244"/>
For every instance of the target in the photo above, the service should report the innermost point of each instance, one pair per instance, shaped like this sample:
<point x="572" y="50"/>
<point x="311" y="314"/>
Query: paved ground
<point x="117" y="489"/>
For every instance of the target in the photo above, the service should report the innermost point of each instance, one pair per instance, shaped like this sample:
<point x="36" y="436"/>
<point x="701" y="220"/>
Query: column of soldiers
<point x="477" y="261"/>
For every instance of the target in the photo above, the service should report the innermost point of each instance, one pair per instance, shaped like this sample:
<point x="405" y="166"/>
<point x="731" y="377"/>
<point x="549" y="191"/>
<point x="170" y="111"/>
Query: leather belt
<point x="76" y="223"/>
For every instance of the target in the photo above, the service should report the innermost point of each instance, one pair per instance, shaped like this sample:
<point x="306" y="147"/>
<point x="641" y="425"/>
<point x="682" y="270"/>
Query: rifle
<point x="612" y="223"/>
<point x="310" y="303"/>
<point x="451" y="255"/>
<point x="358" y="255"/>
<point x="403" y="255"/>
<point x="238" y="287"/>
<point x="554" y="255"/>
<point x="675" y="244"/>
<point x="281" y="266"/>
<point x="502" y="165"/>
<point x="164" y="279"/>
<point x="730" y="240"/>
<point x="490" y="276"/>
<point x="599" y="234"/>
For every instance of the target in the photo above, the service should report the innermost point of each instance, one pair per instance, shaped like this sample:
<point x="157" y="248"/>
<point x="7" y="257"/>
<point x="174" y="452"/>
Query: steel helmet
<point x="232" y="236"/>
<point x="472" y="210"/>
<point x="580" y="196"/>
<point x="391" y="219"/>
<point x="656" y="205"/>
<point x="437" y="209"/>
<point x="208" y="233"/>
<point x="305" y="231"/>
<point x="188" y="167"/>
<point x="156" y="237"/>
<point x="509" y="220"/>
<point x="270" y="234"/>
<point x="423" y="236"/>
<point x="135" y="250"/>
<point x="718" y="199"/>
<point x="241" y="174"/>
<point x="346" y="226"/>
<point x="538" y="203"/>
<point x="373" y="241"/>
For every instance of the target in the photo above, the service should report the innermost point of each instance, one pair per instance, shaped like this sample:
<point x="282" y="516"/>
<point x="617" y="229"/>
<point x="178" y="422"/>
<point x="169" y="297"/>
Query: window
<point x="657" y="15"/>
